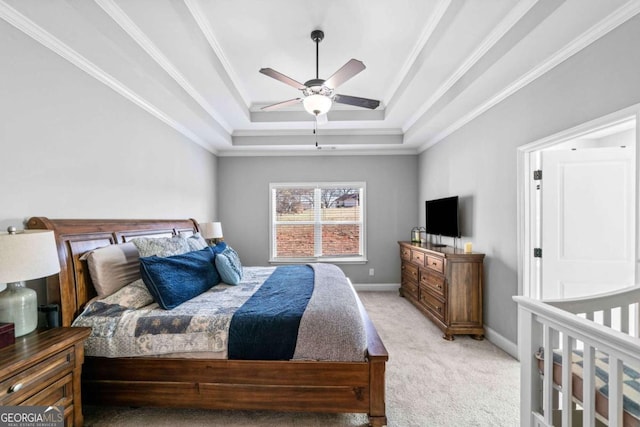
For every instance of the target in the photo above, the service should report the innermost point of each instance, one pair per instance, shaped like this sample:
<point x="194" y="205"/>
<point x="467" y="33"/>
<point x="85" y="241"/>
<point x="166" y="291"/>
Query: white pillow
<point x="113" y="267"/>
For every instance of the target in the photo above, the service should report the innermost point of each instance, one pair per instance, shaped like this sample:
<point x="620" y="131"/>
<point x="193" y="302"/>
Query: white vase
<point x="19" y="305"/>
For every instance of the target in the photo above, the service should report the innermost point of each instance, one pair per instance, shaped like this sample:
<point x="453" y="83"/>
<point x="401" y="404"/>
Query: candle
<point x="467" y="248"/>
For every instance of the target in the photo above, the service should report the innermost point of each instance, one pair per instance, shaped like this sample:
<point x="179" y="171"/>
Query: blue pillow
<point x="228" y="264"/>
<point x="176" y="279"/>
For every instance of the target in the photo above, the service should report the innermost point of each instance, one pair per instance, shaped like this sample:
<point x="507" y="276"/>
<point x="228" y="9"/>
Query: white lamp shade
<point x="211" y="230"/>
<point x="27" y="255"/>
<point x="317" y="104"/>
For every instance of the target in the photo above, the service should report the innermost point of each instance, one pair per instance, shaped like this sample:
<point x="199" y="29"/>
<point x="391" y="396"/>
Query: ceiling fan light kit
<point x="319" y="94"/>
<point x="317" y="104"/>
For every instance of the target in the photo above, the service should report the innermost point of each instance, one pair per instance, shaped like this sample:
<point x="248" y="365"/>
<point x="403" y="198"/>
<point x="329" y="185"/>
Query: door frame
<point x="528" y="158"/>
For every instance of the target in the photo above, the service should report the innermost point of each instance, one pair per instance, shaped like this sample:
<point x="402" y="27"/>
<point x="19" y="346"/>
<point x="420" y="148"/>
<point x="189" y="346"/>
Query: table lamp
<point x="24" y="255"/>
<point x="212" y="232"/>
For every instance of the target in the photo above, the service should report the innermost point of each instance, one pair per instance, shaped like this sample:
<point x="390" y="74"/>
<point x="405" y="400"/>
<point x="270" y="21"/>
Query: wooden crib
<point x="595" y="347"/>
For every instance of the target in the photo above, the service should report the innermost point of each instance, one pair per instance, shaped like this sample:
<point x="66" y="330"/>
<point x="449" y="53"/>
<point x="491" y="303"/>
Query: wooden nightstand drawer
<point x="43" y="368"/>
<point x="434" y="282"/>
<point x="14" y="390"/>
<point x="60" y="393"/>
<point x="436" y="264"/>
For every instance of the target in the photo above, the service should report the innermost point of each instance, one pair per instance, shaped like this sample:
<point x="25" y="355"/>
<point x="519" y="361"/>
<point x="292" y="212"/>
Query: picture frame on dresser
<point x="446" y="284"/>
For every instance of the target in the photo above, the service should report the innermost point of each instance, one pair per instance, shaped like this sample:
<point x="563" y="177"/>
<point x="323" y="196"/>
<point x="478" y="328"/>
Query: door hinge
<point x="537" y="175"/>
<point x="537" y="252"/>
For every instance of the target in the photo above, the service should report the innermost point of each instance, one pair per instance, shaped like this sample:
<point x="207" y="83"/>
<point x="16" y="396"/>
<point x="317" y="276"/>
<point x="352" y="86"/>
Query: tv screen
<point x="442" y="217"/>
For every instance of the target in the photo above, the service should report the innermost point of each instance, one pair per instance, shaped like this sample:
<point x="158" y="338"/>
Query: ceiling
<point x="434" y="64"/>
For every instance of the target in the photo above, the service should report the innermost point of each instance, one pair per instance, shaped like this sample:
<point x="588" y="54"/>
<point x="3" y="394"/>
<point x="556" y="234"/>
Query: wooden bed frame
<point x="305" y="386"/>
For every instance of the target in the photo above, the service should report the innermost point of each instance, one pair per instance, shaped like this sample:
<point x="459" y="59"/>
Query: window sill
<point x="335" y="260"/>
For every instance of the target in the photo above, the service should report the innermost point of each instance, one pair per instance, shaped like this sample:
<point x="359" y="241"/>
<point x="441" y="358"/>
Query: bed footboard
<point x="597" y="330"/>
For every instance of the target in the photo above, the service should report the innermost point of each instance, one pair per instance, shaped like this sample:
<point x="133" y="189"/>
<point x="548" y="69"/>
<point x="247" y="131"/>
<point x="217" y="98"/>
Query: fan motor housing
<point x="317" y="35"/>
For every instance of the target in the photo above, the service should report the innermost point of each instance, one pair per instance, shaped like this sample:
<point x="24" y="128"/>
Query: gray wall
<point x="391" y="204"/>
<point x="73" y="148"/>
<point x="478" y="162"/>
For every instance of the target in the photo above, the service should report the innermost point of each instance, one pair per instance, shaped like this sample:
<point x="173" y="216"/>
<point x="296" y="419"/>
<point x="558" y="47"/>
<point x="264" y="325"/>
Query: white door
<point x="588" y="217"/>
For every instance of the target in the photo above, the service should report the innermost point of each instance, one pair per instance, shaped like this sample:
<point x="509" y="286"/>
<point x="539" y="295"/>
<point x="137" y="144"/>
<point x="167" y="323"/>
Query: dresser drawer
<point x="409" y="271"/>
<point x="433" y="281"/>
<point x="417" y="257"/>
<point x="410" y="287"/>
<point x="16" y="389"/>
<point x="435" y="264"/>
<point x="434" y="304"/>
<point x="405" y="253"/>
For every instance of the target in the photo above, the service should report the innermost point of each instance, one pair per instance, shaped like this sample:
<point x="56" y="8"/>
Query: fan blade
<point x="347" y="71"/>
<point x="284" y="79"/>
<point x="358" y="102"/>
<point x="281" y="104"/>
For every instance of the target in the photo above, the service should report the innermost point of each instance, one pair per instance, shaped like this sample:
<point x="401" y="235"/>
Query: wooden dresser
<point x="446" y="285"/>
<point x="43" y="368"/>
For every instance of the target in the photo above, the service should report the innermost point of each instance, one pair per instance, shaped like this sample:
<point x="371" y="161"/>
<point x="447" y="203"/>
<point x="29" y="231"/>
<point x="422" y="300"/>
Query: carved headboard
<point x="72" y="288"/>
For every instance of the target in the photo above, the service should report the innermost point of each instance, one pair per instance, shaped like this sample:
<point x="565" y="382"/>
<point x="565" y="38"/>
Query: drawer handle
<point x="439" y="308"/>
<point x="439" y="286"/>
<point x="434" y="263"/>
<point x="15" y="387"/>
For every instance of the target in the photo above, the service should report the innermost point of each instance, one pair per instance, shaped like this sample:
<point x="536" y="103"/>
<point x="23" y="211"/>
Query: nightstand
<point x="43" y="368"/>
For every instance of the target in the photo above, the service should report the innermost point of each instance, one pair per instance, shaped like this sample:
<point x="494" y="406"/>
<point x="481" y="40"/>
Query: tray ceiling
<point x="434" y="65"/>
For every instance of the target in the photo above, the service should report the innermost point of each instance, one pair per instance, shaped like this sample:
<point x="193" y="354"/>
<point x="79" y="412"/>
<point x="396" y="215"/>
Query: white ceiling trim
<point x="309" y="150"/>
<point x="136" y="33"/>
<point x="494" y="37"/>
<point x="305" y="132"/>
<point x="49" y="41"/>
<point x="205" y="27"/>
<point x="430" y="27"/>
<point x="610" y="22"/>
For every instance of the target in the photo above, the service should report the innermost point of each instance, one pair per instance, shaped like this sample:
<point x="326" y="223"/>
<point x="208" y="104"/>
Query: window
<point x="317" y="222"/>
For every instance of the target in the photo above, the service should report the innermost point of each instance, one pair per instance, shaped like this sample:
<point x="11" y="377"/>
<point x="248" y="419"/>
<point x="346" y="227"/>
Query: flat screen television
<point x="442" y="217"/>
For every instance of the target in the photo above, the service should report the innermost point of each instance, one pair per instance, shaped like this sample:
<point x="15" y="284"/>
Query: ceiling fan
<point x="319" y="94"/>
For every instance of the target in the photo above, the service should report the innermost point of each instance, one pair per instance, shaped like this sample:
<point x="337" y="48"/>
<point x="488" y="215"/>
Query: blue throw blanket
<point x="266" y="326"/>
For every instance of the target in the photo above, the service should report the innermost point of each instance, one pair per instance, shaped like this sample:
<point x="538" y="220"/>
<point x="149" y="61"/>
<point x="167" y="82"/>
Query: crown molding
<point x="312" y="151"/>
<point x="205" y="27"/>
<point x="430" y="27"/>
<point x="610" y="22"/>
<point x="122" y="19"/>
<point x="512" y="18"/>
<point x="48" y="40"/>
<point x="306" y="132"/>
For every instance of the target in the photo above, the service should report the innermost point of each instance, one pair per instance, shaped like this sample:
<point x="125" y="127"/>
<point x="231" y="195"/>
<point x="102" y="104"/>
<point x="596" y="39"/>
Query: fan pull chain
<point x="315" y="130"/>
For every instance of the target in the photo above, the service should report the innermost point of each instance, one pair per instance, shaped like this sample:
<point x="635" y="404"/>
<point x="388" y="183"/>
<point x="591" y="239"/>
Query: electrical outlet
<point x="371" y="272"/>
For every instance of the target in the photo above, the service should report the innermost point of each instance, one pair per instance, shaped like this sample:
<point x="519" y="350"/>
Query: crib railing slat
<point x="624" y="319"/>
<point x="567" y="389"/>
<point x="606" y="317"/>
<point x="547" y="383"/>
<point x="588" y="387"/>
<point x="615" y="391"/>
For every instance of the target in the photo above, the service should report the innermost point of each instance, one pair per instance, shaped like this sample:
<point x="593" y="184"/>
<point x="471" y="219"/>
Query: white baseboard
<point x="386" y="287"/>
<point x="501" y="342"/>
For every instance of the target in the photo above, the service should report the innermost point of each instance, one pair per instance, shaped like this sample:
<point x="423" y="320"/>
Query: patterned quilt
<point x="129" y="323"/>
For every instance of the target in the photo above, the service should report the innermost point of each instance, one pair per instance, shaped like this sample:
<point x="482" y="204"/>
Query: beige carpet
<point x="430" y="382"/>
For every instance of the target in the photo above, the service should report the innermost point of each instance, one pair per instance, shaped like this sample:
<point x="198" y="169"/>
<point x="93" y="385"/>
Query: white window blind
<point x="317" y="221"/>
